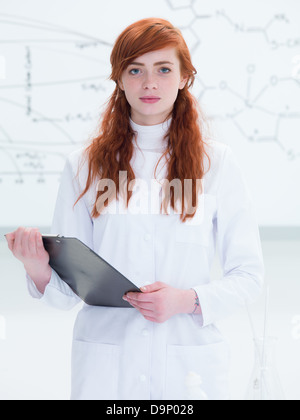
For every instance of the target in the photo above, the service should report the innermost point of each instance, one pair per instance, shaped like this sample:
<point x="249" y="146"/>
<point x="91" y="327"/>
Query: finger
<point x="145" y="312"/>
<point x="32" y="242"/>
<point x="40" y="244"/>
<point x="18" y="240"/>
<point x="133" y="305"/>
<point x="141" y="305"/>
<point x="154" y="287"/>
<point x="139" y="297"/>
<point x="10" y="237"/>
<point x="150" y="318"/>
<point x="25" y="249"/>
<point x="149" y="314"/>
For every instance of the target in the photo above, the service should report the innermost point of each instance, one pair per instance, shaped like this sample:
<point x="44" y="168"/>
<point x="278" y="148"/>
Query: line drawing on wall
<point x="56" y="83"/>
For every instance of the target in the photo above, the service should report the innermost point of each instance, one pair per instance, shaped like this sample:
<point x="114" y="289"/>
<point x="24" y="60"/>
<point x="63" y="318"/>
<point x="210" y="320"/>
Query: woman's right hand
<point x="27" y="246"/>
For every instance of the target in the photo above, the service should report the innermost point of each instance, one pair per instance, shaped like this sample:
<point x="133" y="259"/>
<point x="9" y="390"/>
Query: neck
<point x="150" y="120"/>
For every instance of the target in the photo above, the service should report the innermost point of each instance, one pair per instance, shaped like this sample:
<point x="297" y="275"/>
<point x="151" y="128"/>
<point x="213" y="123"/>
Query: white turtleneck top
<point x="117" y="354"/>
<point x="150" y="144"/>
<point x="151" y="138"/>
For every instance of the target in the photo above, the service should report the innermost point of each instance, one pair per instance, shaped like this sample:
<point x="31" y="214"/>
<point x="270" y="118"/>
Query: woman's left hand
<point x="159" y="301"/>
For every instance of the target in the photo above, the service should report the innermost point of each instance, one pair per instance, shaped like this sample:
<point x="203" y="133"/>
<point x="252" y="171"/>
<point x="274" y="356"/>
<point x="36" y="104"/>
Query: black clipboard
<point x="90" y="277"/>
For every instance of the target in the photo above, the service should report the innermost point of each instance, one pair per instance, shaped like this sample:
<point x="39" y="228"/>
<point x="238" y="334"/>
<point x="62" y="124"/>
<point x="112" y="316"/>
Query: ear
<point x="183" y="83"/>
<point x="120" y="84"/>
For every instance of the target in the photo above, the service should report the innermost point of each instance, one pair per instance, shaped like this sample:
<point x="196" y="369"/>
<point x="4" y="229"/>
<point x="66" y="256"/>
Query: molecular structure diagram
<point x="277" y="121"/>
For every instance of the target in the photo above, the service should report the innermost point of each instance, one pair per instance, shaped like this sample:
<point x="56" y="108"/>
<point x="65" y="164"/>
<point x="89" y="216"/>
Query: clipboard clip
<point x="57" y="237"/>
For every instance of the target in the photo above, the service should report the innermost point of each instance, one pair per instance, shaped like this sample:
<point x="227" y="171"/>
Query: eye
<point x="165" y="70"/>
<point x="134" y="72"/>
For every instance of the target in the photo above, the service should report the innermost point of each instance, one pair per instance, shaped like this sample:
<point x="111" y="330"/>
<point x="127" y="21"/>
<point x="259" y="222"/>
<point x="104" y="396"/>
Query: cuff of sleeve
<point x="205" y="318"/>
<point x="57" y="293"/>
<point x="32" y="289"/>
<point x="198" y="318"/>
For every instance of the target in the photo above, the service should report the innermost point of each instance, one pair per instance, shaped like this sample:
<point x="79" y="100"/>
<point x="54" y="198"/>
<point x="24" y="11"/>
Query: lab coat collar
<point x="151" y="137"/>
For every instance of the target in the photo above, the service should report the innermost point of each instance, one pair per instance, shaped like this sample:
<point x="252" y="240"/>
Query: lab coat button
<point x="143" y="378"/>
<point x="145" y="332"/>
<point x="147" y="237"/>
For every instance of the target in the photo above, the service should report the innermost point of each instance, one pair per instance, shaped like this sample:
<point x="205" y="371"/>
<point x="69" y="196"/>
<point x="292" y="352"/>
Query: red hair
<point x="112" y="149"/>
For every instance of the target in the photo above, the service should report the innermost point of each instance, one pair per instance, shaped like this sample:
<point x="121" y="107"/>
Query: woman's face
<point x="151" y="85"/>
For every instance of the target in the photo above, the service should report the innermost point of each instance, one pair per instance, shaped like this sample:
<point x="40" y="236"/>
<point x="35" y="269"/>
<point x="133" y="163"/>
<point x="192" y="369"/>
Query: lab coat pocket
<point x="210" y="362"/>
<point x="95" y="369"/>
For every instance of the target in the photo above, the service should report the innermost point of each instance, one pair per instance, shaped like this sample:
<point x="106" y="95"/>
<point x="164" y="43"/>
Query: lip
<point x="150" y="99"/>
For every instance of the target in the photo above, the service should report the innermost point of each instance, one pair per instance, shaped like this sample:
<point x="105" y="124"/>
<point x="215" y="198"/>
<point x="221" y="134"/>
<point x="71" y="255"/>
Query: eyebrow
<point x="159" y="63"/>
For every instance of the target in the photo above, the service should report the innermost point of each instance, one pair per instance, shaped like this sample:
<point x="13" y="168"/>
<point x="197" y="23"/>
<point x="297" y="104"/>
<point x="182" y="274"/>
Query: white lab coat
<point x="117" y="354"/>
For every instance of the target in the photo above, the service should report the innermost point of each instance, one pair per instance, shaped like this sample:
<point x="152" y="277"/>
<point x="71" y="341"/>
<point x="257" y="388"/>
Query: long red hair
<point x="112" y="149"/>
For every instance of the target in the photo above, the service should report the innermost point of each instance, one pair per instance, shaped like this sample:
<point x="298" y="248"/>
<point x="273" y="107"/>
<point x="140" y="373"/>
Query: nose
<point x="150" y="83"/>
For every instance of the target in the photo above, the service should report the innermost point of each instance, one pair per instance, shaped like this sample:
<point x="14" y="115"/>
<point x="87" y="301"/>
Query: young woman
<point x="161" y="234"/>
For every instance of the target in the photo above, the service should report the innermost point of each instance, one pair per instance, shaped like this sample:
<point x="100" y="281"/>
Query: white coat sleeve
<point x="70" y="222"/>
<point x="239" y="248"/>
